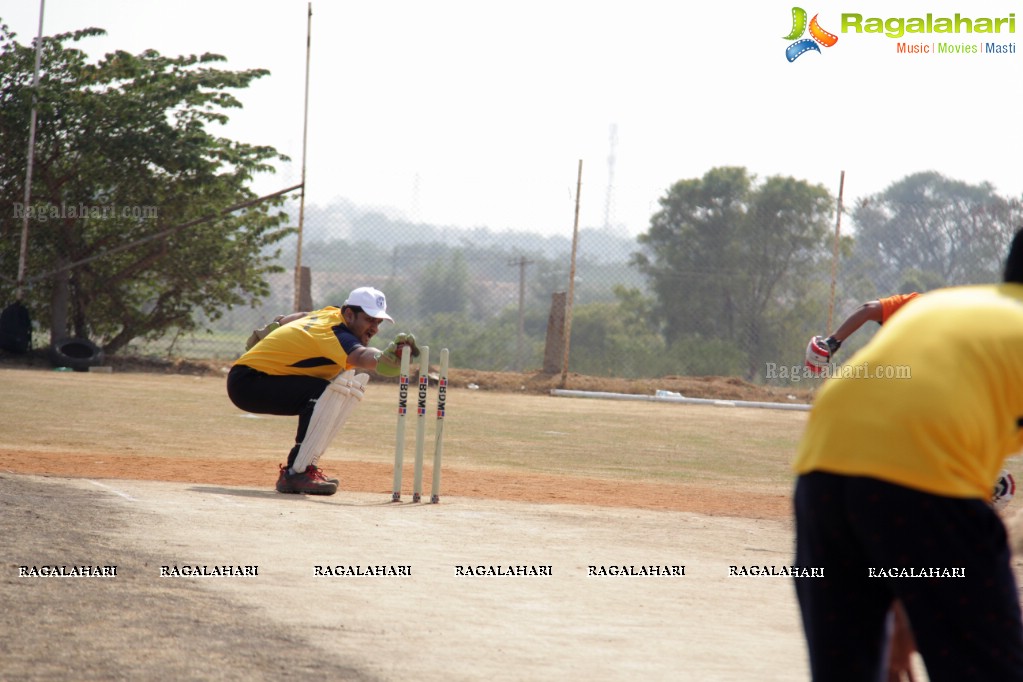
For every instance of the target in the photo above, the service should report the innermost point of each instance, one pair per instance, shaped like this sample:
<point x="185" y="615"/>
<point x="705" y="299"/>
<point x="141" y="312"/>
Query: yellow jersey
<point x="934" y="402"/>
<point x="315" y="345"/>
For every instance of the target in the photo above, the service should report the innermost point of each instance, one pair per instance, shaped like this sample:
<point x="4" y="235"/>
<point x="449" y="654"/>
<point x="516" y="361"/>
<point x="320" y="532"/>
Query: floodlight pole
<point x="305" y="137"/>
<point x="23" y="253"/>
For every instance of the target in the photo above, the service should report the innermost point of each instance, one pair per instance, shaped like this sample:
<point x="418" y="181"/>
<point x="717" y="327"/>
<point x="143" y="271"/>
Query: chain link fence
<point x="742" y="300"/>
<point x="723" y="278"/>
<point x="134" y="231"/>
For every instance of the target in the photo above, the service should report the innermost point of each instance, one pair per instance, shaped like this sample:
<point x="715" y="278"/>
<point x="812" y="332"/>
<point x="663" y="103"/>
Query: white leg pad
<point x="331" y="412"/>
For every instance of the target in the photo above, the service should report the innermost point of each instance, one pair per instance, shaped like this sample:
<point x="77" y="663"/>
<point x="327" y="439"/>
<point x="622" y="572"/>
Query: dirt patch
<point x="436" y="619"/>
<point x="372" y="477"/>
<point x="129" y="627"/>
<point x="39" y="359"/>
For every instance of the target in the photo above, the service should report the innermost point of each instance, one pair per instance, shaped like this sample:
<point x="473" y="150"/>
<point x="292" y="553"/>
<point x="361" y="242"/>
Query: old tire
<point x="78" y="354"/>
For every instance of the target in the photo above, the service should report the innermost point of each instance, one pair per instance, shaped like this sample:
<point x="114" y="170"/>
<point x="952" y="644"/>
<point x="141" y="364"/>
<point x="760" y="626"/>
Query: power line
<point x="157" y="235"/>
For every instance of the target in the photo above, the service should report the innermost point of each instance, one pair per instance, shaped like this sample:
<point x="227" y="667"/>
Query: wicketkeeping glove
<point x="389" y="361"/>
<point x="258" y="335"/>
<point x="819" y="352"/>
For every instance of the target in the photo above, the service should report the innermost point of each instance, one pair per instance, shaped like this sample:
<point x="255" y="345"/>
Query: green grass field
<point x="188" y="416"/>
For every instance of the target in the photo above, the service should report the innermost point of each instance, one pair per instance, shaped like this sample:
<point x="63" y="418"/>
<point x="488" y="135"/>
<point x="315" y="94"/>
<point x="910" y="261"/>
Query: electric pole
<point x="521" y="262"/>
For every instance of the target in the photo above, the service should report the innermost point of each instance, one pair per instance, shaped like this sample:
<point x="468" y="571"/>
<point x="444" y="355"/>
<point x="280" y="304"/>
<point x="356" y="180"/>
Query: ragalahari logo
<point x="818" y="36"/>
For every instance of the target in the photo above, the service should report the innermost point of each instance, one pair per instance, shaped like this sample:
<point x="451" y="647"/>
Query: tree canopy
<point x="927" y="231"/>
<point x="725" y="255"/>
<point x="124" y="151"/>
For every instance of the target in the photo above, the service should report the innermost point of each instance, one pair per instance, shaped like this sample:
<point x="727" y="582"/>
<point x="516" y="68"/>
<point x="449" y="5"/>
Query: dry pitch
<point x="159" y="474"/>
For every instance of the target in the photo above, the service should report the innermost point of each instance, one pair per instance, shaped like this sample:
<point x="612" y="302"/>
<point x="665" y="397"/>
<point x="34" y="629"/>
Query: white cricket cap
<point x="372" y="301"/>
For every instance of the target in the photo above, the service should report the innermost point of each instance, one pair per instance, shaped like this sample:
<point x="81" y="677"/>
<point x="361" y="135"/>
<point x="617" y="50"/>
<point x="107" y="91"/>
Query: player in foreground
<point x="893" y="480"/>
<point x="290" y="364"/>
<point x="820" y="349"/>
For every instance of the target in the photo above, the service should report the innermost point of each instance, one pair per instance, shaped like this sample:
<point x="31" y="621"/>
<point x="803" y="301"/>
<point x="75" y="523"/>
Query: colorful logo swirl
<point x="818" y="36"/>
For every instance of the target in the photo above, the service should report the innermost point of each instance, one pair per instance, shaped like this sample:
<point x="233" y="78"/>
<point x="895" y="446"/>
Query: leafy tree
<point x="724" y="253"/>
<point x="123" y="153"/>
<point x="444" y="287"/>
<point x="486" y="345"/>
<point x="619" y="338"/>
<point x="928" y="230"/>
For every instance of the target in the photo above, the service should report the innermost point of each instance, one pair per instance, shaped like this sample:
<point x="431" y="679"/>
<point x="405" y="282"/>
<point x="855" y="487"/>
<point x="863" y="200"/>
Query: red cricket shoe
<point x="308" y="482"/>
<point x="328" y="479"/>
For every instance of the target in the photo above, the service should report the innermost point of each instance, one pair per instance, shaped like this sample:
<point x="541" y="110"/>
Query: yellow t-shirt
<point x="315" y="345"/>
<point x="933" y="402"/>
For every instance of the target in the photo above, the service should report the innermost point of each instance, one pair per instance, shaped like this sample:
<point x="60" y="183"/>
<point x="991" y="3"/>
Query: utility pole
<point x="23" y="252"/>
<point x="521" y="262"/>
<point x="302" y="274"/>
<point x="570" y="301"/>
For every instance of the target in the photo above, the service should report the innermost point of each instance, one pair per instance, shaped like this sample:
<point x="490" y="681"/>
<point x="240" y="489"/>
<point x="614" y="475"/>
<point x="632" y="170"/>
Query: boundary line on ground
<point x="567" y="393"/>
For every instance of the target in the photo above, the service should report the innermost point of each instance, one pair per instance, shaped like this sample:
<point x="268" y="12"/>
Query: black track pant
<point x="861" y="531"/>
<point x="262" y="393"/>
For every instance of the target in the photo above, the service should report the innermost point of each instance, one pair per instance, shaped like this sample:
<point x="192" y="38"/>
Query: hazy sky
<point x="477" y="113"/>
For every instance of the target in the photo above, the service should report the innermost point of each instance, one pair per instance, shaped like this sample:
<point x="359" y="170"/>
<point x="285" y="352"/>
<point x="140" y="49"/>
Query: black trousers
<point x="868" y="536"/>
<point x="262" y="393"/>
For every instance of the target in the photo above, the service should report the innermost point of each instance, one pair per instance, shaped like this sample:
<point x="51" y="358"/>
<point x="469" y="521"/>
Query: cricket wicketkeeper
<point x="305" y="364"/>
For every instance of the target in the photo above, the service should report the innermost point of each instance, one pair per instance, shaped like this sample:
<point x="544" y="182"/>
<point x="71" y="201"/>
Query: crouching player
<point x="304" y="365"/>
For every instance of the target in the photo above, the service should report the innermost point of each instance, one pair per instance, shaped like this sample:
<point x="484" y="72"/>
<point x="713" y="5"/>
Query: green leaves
<point x="725" y="252"/>
<point x="928" y="230"/>
<point x="122" y="152"/>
